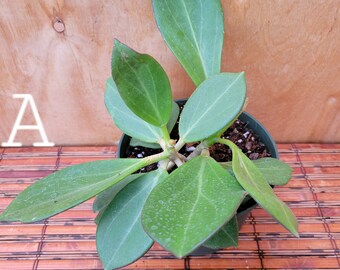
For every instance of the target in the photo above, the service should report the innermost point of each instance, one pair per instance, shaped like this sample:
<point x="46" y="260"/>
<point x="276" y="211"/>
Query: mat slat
<point x="67" y="240"/>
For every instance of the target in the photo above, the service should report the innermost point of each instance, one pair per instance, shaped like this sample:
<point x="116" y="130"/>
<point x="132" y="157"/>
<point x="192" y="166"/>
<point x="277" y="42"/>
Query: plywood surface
<point x="67" y="241"/>
<point x="59" y="51"/>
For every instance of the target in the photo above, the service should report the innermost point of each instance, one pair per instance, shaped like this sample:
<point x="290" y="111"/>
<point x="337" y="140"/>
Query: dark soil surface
<point x="238" y="133"/>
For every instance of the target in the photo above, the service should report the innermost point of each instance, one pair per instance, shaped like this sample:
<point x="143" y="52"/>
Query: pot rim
<point x="257" y="127"/>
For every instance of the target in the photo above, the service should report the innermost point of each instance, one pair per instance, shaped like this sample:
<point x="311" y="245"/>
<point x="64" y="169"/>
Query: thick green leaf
<point x="170" y="126"/>
<point x="225" y="237"/>
<point x="193" y="30"/>
<point x="190" y="205"/>
<point x="212" y="106"/>
<point x="276" y="172"/>
<point x="174" y="116"/>
<point x="104" y="198"/>
<point x="228" y="166"/>
<point x="99" y="216"/>
<point x="142" y="84"/>
<point x="120" y="235"/>
<point x="136" y="142"/>
<point x="125" y="119"/>
<point x="67" y="188"/>
<point x="252" y="180"/>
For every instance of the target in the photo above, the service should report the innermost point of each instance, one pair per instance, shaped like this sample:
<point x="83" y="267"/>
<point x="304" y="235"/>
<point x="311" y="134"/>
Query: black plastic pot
<point x="246" y="207"/>
<point x="252" y="122"/>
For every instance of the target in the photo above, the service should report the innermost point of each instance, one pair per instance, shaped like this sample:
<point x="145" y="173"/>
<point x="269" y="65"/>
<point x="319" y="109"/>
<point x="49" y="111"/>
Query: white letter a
<point x="27" y="99"/>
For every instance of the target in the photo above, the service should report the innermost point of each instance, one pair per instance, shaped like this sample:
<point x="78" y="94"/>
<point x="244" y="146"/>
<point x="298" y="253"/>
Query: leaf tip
<point x="117" y="51"/>
<point x="179" y="255"/>
<point x="295" y="231"/>
<point x="109" y="81"/>
<point x="116" y="42"/>
<point x="294" y="228"/>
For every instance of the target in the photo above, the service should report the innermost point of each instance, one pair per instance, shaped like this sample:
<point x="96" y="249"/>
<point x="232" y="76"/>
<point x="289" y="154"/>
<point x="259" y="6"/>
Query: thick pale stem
<point x="164" y="164"/>
<point x="179" y="144"/>
<point x="170" y="165"/>
<point x="177" y="158"/>
<point x="203" y="145"/>
<point x="178" y="162"/>
<point x="205" y="152"/>
<point x="162" y="143"/>
<point x="155" y="158"/>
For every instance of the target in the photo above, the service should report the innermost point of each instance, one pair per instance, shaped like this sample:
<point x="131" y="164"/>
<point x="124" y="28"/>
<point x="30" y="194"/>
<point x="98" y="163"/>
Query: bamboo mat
<point x="67" y="241"/>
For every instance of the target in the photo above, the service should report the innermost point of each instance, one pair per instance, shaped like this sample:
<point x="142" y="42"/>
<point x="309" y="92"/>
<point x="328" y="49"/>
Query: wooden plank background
<point x="67" y="240"/>
<point x="59" y="51"/>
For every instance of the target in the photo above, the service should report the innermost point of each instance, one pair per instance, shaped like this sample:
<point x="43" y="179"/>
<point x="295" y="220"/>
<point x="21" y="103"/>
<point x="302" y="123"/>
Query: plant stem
<point x="225" y="141"/>
<point x="171" y="164"/>
<point x="155" y="158"/>
<point x="205" y="152"/>
<point x="163" y="163"/>
<point x="162" y="143"/>
<point x="176" y="158"/>
<point x="179" y="144"/>
<point x="178" y="162"/>
<point x="203" y="145"/>
<point x="165" y="134"/>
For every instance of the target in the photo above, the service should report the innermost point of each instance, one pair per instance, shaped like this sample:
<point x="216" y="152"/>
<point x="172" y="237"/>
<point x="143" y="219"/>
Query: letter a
<point x="39" y="126"/>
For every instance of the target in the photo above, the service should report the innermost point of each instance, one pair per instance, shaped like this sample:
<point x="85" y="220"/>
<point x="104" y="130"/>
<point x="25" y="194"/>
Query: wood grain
<point x="59" y="51"/>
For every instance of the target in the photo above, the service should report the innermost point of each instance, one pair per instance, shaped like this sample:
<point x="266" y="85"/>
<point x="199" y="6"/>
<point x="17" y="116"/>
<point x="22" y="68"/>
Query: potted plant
<point x="194" y="205"/>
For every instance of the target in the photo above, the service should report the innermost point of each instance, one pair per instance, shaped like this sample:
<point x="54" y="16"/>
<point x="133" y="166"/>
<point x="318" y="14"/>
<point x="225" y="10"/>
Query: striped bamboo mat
<point x="67" y="241"/>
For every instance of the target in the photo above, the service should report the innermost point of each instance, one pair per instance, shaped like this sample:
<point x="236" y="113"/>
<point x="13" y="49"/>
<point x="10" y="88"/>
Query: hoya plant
<point x="187" y="202"/>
